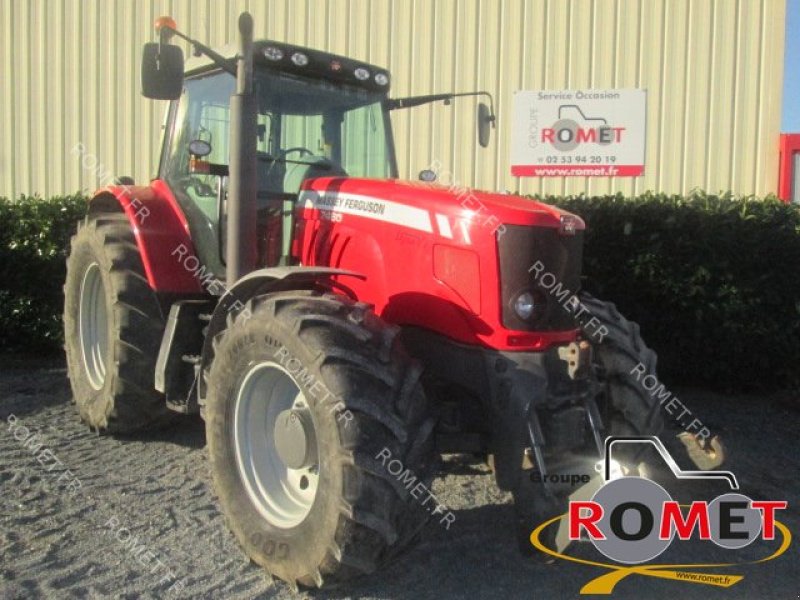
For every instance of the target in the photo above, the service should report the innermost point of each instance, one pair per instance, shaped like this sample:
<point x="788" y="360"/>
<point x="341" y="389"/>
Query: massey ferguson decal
<point x="578" y="133"/>
<point x="332" y="205"/>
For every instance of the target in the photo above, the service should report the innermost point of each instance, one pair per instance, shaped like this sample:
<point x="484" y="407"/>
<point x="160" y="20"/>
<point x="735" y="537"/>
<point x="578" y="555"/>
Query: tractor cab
<point x="318" y="115"/>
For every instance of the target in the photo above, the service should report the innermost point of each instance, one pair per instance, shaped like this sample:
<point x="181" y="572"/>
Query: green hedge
<point x="713" y="281"/>
<point x="34" y="235"/>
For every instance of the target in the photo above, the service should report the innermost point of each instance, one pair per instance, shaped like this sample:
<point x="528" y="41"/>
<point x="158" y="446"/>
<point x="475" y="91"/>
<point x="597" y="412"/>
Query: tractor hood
<point x="425" y="206"/>
<point x="444" y="259"/>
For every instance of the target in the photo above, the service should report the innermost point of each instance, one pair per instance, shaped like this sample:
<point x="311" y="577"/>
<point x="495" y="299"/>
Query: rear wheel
<point x="112" y="329"/>
<point x="310" y="399"/>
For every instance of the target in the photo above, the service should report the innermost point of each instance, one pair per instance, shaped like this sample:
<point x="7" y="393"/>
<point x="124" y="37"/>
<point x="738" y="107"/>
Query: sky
<point x="791" y="70"/>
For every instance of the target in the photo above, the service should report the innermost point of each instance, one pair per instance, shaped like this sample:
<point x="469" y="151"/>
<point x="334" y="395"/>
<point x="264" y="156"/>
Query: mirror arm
<point x="225" y="64"/>
<point x="412" y="101"/>
<point x="492" y="119"/>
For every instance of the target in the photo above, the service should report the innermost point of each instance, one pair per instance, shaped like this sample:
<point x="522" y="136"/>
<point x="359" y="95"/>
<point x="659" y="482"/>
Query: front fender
<point x="159" y="226"/>
<point x="258" y="282"/>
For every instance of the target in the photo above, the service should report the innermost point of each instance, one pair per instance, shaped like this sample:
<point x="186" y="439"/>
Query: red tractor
<point x="337" y="329"/>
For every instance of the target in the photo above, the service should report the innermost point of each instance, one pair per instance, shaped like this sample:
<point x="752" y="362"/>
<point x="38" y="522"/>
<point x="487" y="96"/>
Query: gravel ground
<point x="70" y="530"/>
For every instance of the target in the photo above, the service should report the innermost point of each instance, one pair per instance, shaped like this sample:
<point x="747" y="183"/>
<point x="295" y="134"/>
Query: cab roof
<point x="298" y="60"/>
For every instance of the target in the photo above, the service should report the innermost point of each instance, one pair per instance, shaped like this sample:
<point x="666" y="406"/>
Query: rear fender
<point x="258" y="282"/>
<point x="160" y="229"/>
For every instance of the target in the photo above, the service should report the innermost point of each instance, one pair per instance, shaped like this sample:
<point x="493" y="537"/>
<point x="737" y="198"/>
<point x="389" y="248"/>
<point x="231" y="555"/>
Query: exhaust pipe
<point x="240" y="247"/>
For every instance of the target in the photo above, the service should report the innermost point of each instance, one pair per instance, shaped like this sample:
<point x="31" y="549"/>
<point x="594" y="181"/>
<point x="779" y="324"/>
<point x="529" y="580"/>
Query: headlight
<point x="273" y="53"/>
<point x="381" y="79"/>
<point x="361" y="74"/>
<point x="528" y="305"/>
<point x="300" y="59"/>
<point x="524" y="305"/>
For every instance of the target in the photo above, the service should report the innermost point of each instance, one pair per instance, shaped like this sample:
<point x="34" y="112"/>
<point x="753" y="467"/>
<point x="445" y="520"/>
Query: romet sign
<point x="632" y="520"/>
<point x="579" y="133"/>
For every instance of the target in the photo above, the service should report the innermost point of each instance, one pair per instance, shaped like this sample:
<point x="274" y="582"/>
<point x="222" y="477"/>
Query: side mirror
<point x="162" y="71"/>
<point x="485" y="123"/>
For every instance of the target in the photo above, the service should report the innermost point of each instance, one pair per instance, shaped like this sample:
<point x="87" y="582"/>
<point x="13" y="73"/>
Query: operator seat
<point x="308" y="167"/>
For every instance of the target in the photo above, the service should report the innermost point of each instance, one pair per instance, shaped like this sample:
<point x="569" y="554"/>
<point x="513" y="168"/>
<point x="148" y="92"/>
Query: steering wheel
<point x="303" y="151"/>
<point x="200" y="187"/>
<point x="282" y="154"/>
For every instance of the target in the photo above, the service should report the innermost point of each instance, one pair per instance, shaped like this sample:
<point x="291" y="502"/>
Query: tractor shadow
<point x="32" y="386"/>
<point x="187" y="431"/>
<point x="466" y="561"/>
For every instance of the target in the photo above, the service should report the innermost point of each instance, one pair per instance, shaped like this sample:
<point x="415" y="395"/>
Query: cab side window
<point x="201" y="113"/>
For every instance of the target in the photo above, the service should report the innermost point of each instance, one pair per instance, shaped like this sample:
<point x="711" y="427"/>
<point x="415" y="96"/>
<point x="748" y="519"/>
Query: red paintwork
<point x="159" y="227"/>
<point x="442" y="274"/>
<point x="398" y="259"/>
<point x="790" y="144"/>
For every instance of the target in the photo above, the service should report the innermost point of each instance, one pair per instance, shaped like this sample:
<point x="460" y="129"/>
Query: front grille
<point x="520" y="247"/>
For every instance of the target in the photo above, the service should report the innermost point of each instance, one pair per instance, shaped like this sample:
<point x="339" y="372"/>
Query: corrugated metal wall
<point x="712" y="68"/>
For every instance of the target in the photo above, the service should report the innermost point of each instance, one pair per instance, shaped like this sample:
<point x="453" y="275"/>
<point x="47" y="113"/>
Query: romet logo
<point x="632" y="520"/>
<point x="567" y="133"/>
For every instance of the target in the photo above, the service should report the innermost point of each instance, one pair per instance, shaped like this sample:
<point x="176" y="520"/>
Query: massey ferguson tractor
<point x="336" y="328"/>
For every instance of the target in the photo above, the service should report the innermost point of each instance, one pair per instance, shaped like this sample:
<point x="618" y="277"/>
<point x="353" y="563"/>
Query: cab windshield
<point x="316" y="121"/>
<point x="305" y="127"/>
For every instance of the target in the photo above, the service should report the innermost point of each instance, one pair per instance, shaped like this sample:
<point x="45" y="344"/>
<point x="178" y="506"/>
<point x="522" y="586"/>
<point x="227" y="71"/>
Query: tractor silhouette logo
<point x="632" y="520"/>
<point x="574" y="128"/>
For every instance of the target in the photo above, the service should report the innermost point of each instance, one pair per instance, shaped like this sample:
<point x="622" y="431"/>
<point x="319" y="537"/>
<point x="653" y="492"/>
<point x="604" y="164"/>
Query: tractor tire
<point x="633" y="409"/>
<point x="113" y="326"/>
<point x="622" y="360"/>
<point x="335" y="370"/>
<point x="625" y="405"/>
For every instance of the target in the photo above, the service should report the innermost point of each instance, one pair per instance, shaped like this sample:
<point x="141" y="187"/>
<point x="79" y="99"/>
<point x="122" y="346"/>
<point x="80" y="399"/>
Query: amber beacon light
<point x="165" y="23"/>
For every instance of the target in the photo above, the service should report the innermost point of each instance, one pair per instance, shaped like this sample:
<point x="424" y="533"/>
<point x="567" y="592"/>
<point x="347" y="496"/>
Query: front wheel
<point x="631" y="405"/>
<point x="627" y="408"/>
<point x="313" y="410"/>
<point x="621" y="361"/>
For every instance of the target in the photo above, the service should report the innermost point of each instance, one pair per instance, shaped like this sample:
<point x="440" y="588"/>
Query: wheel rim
<point x="284" y="496"/>
<point x="93" y="325"/>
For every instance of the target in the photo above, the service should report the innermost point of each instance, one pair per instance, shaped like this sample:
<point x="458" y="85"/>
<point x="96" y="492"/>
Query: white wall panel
<point x="713" y="70"/>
